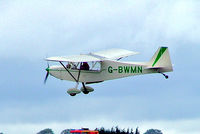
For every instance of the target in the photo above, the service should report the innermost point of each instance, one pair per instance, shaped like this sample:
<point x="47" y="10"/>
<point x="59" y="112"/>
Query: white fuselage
<point x="109" y="70"/>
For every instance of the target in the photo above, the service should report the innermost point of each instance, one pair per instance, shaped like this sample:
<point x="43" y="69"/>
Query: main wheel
<point x="86" y="89"/>
<point x="85" y="92"/>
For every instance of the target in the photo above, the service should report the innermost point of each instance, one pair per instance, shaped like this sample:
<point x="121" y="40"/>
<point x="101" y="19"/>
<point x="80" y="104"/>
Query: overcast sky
<point x="31" y="30"/>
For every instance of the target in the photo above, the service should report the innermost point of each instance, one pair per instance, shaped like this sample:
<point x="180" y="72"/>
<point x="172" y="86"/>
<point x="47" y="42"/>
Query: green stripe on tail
<point x="160" y="53"/>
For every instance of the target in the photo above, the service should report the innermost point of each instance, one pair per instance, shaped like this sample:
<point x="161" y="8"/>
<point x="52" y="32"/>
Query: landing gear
<point x="166" y="76"/>
<point x="86" y="89"/>
<point x="74" y="91"/>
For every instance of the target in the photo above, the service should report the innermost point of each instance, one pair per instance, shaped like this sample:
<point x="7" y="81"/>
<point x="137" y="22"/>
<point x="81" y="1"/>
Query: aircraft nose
<point x="47" y="74"/>
<point x="47" y="69"/>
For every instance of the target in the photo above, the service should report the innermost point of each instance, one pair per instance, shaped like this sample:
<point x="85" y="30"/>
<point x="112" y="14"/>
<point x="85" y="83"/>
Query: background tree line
<point x="113" y="130"/>
<point x="117" y="130"/>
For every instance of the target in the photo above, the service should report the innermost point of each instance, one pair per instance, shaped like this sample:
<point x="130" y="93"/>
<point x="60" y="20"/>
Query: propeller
<point x="47" y="74"/>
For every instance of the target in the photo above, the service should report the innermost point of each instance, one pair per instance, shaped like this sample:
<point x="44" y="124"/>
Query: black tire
<point x="73" y="94"/>
<point x="85" y="92"/>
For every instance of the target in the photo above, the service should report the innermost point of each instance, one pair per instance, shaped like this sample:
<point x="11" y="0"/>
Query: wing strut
<point x="71" y="73"/>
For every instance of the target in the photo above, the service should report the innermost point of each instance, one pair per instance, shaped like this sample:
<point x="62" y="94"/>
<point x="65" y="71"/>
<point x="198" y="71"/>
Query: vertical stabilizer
<point x="161" y="59"/>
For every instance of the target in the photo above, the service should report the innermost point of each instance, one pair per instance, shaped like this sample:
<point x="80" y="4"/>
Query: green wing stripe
<point x="160" y="53"/>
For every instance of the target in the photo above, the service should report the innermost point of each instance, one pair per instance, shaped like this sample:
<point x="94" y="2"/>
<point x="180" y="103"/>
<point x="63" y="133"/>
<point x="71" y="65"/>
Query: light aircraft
<point x="105" y="65"/>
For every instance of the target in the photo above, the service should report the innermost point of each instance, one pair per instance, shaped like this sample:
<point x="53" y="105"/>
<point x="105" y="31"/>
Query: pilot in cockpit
<point x="71" y="66"/>
<point x="84" y="66"/>
<point x="68" y="66"/>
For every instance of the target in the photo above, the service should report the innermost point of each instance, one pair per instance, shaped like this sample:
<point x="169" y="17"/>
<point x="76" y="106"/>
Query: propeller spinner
<point x="47" y="74"/>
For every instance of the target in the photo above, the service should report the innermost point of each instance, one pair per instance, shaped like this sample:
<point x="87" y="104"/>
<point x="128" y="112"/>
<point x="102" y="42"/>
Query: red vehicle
<point x="83" y="131"/>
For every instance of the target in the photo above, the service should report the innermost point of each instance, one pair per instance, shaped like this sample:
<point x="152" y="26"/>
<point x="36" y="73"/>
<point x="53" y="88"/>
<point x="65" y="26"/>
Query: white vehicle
<point x="105" y="65"/>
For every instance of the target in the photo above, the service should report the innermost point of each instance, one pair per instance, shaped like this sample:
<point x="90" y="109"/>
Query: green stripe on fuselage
<point x="82" y="71"/>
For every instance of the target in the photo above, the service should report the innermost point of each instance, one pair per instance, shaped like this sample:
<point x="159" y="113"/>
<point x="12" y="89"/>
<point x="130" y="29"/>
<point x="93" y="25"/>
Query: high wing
<point x="114" y="53"/>
<point x="74" y="58"/>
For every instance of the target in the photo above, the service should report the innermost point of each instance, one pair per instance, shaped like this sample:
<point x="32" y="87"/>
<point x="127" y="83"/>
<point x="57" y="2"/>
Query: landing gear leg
<point x="76" y="85"/>
<point x="85" y="90"/>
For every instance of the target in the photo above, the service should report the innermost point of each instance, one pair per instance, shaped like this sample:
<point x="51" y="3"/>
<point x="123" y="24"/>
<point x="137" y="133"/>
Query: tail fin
<point x="161" y="59"/>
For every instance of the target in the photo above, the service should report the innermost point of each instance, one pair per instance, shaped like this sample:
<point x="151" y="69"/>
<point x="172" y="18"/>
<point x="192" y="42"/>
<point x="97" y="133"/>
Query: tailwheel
<point x="166" y="76"/>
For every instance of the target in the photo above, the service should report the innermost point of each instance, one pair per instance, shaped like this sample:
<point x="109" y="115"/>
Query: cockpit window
<point x="94" y="65"/>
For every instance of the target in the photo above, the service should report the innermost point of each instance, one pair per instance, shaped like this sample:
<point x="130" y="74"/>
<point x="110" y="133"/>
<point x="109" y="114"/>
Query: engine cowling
<point x="87" y="89"/>
<point x="73" y="91"/>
